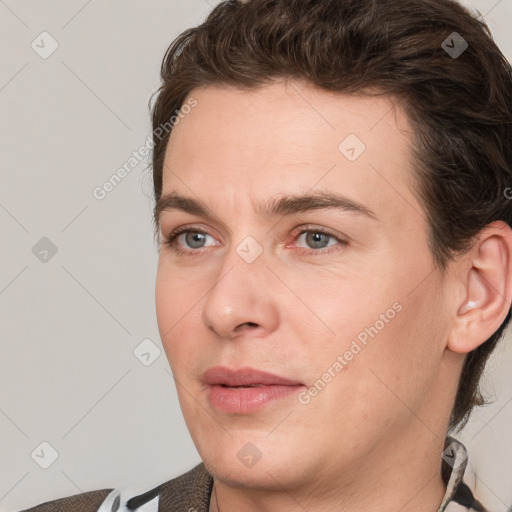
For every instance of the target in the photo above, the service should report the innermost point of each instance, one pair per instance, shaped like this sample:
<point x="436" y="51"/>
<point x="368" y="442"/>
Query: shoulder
<point x="189" y="491"/>
<point x="84" y="502"/>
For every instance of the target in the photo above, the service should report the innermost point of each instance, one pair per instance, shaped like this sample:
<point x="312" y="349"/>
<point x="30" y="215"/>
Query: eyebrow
<point x="287" y="205"/>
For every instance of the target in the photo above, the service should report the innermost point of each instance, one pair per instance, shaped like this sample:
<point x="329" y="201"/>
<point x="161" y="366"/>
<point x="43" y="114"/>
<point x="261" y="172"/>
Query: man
<point x="336" y="253"/>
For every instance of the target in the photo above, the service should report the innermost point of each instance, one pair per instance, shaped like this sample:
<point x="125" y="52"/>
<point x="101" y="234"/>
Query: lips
<point x="247" y="377"/>
<point x="246" y="390"/>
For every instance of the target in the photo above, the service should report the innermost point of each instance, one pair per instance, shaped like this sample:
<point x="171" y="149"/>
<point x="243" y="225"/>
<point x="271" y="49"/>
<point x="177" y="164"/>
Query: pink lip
<point x="223" y="393"/>
<point x="244" y="377"/>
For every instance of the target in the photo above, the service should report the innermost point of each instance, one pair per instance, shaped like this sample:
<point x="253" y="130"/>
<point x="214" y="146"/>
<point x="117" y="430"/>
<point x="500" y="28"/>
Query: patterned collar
<point x="191" y="491"/>
<point x="459" y="494"/>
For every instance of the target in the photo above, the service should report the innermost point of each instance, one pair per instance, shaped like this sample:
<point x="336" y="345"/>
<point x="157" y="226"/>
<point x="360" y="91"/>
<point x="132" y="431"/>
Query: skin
<point x="372" y="439"/>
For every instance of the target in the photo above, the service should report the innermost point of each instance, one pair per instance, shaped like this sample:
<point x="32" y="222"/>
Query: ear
<point x="486" y="281"/>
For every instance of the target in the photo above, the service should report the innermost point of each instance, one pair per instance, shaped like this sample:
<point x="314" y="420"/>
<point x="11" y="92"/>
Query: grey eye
<point x="316" y="240"/>
<point x="195" y="239"/>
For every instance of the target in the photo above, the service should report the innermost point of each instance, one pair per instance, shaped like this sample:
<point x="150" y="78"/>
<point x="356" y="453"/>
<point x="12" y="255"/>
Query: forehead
<point x="238" y="146"/>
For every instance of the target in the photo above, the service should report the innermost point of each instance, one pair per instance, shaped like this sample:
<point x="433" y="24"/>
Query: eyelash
<point x="170" y="241"/>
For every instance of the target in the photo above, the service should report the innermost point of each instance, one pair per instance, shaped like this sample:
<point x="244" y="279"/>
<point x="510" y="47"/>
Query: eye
<point x="193" y="238"/>
<point x="316" y="238"/>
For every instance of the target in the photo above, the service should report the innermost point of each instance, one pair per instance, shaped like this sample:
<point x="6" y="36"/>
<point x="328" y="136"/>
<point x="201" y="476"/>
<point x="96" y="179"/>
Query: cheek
<point x="342" y="304"/>
<point x="179" y="300"/>
<point x="165" y="302"/>
<point x="404" y="356"/>
<point x="173" y="303"/>
<point x="389" y="337"/>
<point x="176" y="293"/>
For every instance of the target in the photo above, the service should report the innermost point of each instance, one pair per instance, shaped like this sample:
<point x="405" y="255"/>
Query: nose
<point x="240" y="299"/>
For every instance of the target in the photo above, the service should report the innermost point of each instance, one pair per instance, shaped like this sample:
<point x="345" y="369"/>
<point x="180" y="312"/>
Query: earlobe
<point x="488" y="285"/>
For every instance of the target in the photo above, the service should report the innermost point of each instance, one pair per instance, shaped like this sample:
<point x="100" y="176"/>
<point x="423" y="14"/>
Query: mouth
<point x="248" y="386"/>
<point x="245" y="377"/>
<point x="246" y="390"/>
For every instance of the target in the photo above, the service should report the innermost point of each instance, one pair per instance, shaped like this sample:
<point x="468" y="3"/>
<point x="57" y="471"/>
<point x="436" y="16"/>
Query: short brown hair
<point x="460" y="106"/>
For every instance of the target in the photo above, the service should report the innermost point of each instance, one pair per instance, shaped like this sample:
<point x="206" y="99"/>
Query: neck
<point x="409" y="481"/>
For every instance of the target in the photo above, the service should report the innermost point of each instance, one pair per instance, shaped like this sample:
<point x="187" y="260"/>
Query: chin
<point x="262" y="476"/>
<point x="250" y="459"/>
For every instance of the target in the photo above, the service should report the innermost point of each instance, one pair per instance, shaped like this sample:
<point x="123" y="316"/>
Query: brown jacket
<point x="188" y="492"/>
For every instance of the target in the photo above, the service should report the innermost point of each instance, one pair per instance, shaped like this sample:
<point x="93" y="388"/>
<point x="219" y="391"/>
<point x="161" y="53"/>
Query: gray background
<point x="70" y="324"/>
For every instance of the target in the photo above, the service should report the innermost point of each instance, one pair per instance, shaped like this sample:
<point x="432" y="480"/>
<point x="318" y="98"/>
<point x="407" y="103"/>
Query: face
<point x="335" y="292"/>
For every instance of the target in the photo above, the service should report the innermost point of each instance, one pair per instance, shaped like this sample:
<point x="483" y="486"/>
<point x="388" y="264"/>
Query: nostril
<point x="249" y="324"/>
<point x="246" y="325"/>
